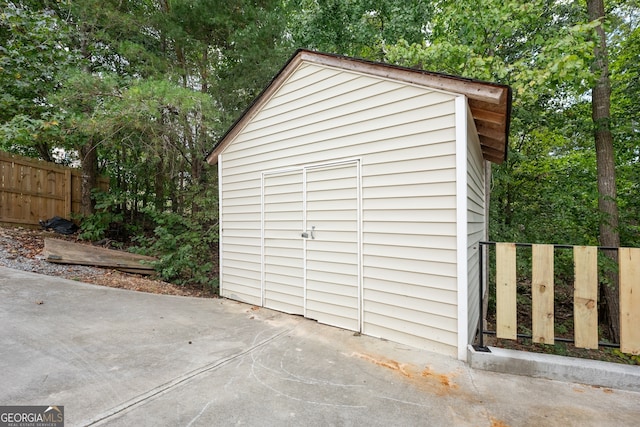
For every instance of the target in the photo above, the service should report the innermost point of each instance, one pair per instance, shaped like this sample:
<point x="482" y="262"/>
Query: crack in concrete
<point x="169" y="385"/>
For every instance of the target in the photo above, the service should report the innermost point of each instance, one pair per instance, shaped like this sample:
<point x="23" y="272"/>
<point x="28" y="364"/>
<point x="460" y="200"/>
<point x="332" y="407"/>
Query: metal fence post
<point x="481" y="346"/>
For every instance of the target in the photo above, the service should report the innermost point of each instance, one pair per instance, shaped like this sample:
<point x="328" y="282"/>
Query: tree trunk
<point x="203" y="73"/>
<point x="44" y="151"/>
<point x="607" y="202"/>
<point x="88" y="152"/>
<point x="89" y="164"/>
<point x="159" y="186"/>
<point x="122" y="181"/>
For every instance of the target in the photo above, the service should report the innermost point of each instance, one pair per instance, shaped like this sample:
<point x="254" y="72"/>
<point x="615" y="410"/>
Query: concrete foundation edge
<point x="561" y="368"/>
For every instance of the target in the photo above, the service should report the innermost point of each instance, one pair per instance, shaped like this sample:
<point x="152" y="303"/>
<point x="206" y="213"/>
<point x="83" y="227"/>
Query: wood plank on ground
<point x="542" y="292"/>
<point x="506" y="312"/>
<point x="629" y="259"/>
<point x="585" y="296"/>
<point x="66" y="252"/>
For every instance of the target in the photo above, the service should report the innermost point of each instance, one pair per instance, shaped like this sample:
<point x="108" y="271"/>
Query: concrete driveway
<point x="115" y="357"/>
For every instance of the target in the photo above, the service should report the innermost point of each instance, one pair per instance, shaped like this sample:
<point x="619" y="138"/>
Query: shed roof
<point x="490" y="103"/>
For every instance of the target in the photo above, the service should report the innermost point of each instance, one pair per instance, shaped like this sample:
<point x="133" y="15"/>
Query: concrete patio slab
<point x="115" y="357"/>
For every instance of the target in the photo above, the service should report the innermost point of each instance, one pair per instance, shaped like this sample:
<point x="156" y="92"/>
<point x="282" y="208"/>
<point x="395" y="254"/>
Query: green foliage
<point x="560" y="349"/>
<point x="150" y="86"/>
<point x="625" y="80"/>
<point x="361" y="28"/>
<point x="540" y="198"/>
<point x="252" y="48"/>
<point x="546" y="191"/>
<point x="182" y="245"/>
<point x="186" y="246"/>
<point x="631" y="359"/>
<point x="532" y="46"/>
<point x="96" y="226"/>
<point x="30" y="136"/>
<point x="33" y="55"/>
<point x="561" y="329"/>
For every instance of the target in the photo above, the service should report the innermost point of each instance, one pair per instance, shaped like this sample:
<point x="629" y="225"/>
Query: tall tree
<point x="625" y="80"/>
<point x="605" y="157"/>
<point x="537" y="48"/>
<point x="98" y="32"/>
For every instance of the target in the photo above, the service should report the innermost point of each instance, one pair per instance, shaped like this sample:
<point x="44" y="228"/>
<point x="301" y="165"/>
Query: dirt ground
<point x="21" y="248"/>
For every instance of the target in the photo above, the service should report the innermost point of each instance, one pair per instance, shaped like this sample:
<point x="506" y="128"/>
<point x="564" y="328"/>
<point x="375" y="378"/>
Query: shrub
<point x="107" y="216"/>
<point x="186" y="246"/>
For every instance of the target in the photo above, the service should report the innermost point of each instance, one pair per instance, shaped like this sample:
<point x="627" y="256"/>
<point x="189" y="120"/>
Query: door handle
<point x="305" y="235"/>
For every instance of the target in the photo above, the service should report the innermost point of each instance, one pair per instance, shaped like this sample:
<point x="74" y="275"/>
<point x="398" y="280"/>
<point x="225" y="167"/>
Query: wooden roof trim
<point x="492" y="137"/>
<point x="489" y="118"/>
<point x="491" y="158"/>
<point x="492" y="154"/>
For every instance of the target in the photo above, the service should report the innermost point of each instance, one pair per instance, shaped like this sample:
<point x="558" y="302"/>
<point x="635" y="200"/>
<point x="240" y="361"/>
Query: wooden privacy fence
<point x="33" y="190"/>
<point x="585" y="294"/>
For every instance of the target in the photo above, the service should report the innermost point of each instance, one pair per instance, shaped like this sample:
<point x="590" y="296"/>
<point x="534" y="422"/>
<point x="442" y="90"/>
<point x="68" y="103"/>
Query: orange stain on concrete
<point x="498" y="423"/>
<point x="402" y="368"/>
<point x="445" y="380"/>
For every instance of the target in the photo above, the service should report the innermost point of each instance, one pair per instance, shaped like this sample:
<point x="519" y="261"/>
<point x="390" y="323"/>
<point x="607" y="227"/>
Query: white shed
<point x="353" y="193"/>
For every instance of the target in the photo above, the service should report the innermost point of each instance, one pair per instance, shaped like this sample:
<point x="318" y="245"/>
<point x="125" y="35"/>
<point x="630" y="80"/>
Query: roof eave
<point x="490" y="103"/>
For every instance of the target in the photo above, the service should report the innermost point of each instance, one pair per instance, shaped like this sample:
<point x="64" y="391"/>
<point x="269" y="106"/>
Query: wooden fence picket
<point x="585" y="296"/>
<point x="629" y="259"/>
<point x="506" y="310"/>
<point x="542" y="293"/>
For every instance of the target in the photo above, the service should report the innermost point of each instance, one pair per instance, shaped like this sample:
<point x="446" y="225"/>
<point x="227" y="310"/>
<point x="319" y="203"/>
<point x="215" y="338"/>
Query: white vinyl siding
<point x="475" y="223"/>
<point x="404" y="136"/>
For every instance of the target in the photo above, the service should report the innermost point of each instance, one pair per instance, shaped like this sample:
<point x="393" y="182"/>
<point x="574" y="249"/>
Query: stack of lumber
<point x="66" y="252"/>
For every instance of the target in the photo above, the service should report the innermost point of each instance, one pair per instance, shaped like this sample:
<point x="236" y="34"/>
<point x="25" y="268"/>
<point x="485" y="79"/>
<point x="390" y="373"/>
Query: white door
<point x="283" y="263"/>
<point x="333" y="246"/>
<point x="311" y="262"/>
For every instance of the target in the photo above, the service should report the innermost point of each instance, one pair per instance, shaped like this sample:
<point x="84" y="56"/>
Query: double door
<point x="311" y="243"/>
